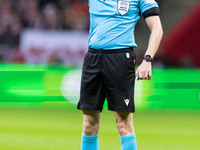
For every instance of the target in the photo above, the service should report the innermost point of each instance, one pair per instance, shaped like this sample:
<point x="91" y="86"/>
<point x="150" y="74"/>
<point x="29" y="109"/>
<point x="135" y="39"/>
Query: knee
<point x="90" y="128"/>
<point x="91" y="122"/>
<point x="124" y="127"/>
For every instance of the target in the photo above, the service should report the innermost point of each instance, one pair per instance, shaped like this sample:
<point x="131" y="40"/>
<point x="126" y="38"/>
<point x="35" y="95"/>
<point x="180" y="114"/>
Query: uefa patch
<point x="123" y="7"/>
<point x="149" y="1"/>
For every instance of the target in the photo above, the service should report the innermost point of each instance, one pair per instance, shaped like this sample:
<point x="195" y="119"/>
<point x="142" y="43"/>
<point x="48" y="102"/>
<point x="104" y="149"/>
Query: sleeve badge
<point x="149" y="1"/>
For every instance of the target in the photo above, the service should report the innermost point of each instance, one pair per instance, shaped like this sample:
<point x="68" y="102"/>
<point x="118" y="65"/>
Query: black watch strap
<point x="148" y="58"/>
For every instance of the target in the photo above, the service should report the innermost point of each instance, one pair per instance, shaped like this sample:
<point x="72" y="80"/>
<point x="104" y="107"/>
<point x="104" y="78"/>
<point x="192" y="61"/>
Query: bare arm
<point x="144" y="70"/>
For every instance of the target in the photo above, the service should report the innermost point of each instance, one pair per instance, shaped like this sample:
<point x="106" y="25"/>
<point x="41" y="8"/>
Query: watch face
<point x="148" y="58"/>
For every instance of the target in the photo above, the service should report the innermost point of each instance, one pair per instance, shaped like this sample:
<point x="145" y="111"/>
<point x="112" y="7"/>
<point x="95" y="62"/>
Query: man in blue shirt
<point x="109" y="65"/>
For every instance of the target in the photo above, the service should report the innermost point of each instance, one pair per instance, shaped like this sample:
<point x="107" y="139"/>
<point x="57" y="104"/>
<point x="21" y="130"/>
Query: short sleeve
<point x="149" y="8"/>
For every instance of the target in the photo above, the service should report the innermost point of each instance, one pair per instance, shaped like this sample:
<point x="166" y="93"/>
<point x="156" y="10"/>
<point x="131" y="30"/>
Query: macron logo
<point x="127" y="101"/>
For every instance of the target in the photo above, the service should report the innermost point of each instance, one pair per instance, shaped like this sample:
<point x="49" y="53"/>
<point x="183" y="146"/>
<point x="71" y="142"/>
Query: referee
<point x="109" y="65"/>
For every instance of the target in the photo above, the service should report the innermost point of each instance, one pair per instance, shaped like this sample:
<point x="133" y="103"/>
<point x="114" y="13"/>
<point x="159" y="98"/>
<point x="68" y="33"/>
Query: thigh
<point x="91" y="116"/>
<point x="119" y="70"/>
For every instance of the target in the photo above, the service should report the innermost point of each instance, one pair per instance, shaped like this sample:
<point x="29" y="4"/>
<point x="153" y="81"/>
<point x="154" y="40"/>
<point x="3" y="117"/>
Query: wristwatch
<point x="148" y="58"/>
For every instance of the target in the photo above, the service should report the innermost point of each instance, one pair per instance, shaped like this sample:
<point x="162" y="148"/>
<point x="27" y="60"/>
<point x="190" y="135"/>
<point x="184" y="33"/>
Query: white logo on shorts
<point x="127" y="55"/>
<point x="123" y="7"/>
<point x="127" y="101"/>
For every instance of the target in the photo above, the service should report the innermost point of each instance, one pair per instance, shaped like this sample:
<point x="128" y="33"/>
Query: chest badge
<point x="123" y="7"/>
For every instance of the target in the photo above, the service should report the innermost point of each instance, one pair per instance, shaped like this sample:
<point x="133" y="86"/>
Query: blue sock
<point x="128" y="142"/>
<point x="89" y="143"/>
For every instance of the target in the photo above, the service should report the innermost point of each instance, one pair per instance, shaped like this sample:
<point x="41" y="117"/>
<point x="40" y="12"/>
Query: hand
<point x="144" y="70"/>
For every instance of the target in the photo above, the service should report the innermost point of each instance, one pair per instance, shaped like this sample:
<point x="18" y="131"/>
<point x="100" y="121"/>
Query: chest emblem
<point x="123" y="7"/>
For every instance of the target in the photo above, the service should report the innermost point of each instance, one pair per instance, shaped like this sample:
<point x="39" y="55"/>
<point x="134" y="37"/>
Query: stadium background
<point x="42" y="45"/>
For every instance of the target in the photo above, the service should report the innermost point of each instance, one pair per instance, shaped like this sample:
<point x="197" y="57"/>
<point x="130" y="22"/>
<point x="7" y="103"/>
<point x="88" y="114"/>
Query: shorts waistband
<point x="110" y="50"/>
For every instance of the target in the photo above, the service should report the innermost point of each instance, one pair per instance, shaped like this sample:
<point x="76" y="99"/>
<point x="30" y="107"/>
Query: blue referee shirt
<point x="112" y="22"/>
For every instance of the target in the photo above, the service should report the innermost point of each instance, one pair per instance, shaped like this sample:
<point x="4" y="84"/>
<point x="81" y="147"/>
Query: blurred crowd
<point x="15" y="15"/>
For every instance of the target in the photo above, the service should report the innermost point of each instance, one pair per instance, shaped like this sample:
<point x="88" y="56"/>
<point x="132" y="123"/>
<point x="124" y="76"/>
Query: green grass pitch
<point x="60" y="129"/>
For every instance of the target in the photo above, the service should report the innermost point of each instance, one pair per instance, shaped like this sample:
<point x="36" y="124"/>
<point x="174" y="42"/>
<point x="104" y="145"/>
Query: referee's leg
<point x="91" y="124"/>
<point x="126" y="130"/>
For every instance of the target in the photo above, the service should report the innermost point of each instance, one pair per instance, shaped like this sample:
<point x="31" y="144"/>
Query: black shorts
<point x="108" y="74"/>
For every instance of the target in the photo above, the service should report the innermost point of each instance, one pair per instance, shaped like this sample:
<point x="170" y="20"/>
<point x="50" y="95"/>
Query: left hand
<point x="144" y="70"/>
